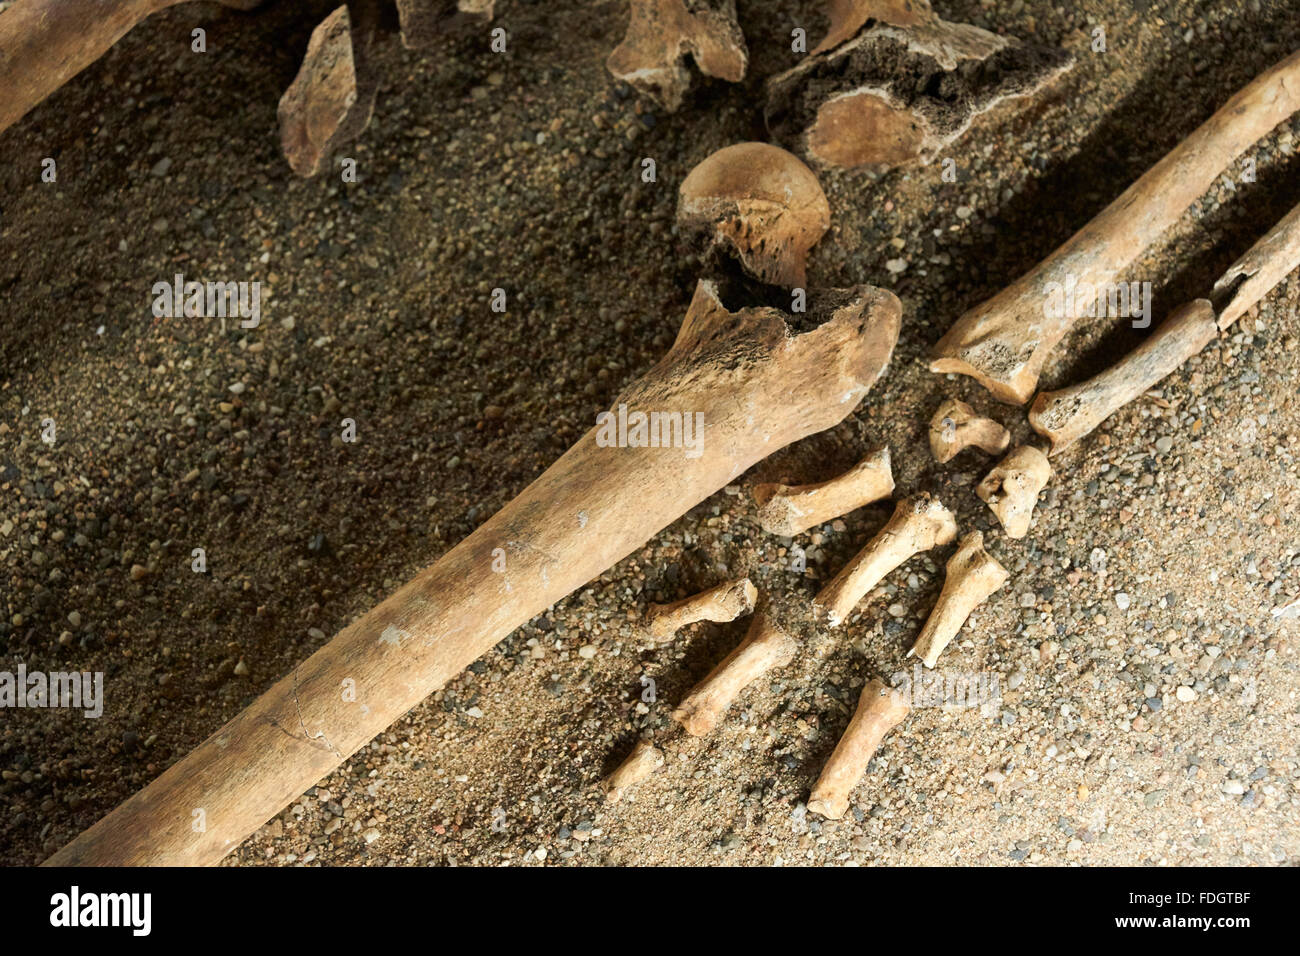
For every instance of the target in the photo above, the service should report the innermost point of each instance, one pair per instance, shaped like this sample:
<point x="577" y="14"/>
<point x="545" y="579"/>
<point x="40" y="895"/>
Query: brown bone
<point x="789" y="511"/>
<point x="423" y="22"/>
<point x="919" y="523"/>
<point x="759" y="387"/>
<point x="644" y="760"/>
<point x="660" y="35"/>
<point x="1003" y="343"/>
<point x="332" y="98"/>
<point x="880" y="710"/>
<point x="45" y="43"/>
<point x="759" y="203"/>
<point x="726" y="602"/>
<point x="971" y="575"/>
<point x="765" y="647"/>
<point x="1066" y="415"/>
<point x="956" y="426"/>
<point x="892" y="83"/>
<point x="1011" y="488"/>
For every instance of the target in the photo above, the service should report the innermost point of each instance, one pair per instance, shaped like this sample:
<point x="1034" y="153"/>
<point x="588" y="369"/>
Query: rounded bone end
<point x="644" y="760"/>
<point x="1011" y="488"/>
<point x="759" y="202"/>
<point x="956" y="426"/>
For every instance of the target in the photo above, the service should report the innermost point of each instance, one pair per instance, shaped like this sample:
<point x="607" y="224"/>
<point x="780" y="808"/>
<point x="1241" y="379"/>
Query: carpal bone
<point x="971" y="575"/>
<point x="919" y="523"/>
<point x="788" y="511"/>
<point x="880" y="710"/>
<point x="726" y="602"/>
<point x="956" y="426"/>
<point x="1011" y="488"/>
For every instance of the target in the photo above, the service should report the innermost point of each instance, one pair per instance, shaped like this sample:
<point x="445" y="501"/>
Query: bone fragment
<point x="45" y="43"/>
<point x="765" y="647"/>
<point x="758" y="203"/>
<point x="726" y="602"/>
<point x="892" y="83"/>
<point x="1011" y="488"/>
<point x="788" y="511"/>
<point x="919" y="523"/>
<point x="972" y="574"/>
<point x="880" y="710"/>
<point x="956" y="426"/>
<point x="660" y="35"/>
<point x="1066" y="415"/>
<point x="1264" y="265"/>
<point x="1004" y="342"/>
<point x="332" y="98"/>
<point x="644" y="760"/>
<point x="759" y="386"/>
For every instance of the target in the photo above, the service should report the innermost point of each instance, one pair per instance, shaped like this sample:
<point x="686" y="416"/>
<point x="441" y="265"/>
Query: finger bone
<point x="972" y="574"/>
<point x="1011" y="488"/>
<point x="880" y="710"/>
<point x="956" y="426"/>
<point x="726" y="602"/>
<point x="788" y="511"/>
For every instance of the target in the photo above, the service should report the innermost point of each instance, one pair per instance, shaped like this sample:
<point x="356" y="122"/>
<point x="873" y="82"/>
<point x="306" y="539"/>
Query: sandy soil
<point x="1149" y="708"/>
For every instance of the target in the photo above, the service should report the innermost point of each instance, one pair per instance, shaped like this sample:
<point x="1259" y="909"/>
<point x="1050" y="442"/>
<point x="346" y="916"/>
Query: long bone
<point x="880" y="710"/>
<point x="1004" y="342"/>
<point x="1068" y="414"/>
<point x="758" y="386"/>
<point x="789" y="511"/>
<point x="919" y="523"/>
